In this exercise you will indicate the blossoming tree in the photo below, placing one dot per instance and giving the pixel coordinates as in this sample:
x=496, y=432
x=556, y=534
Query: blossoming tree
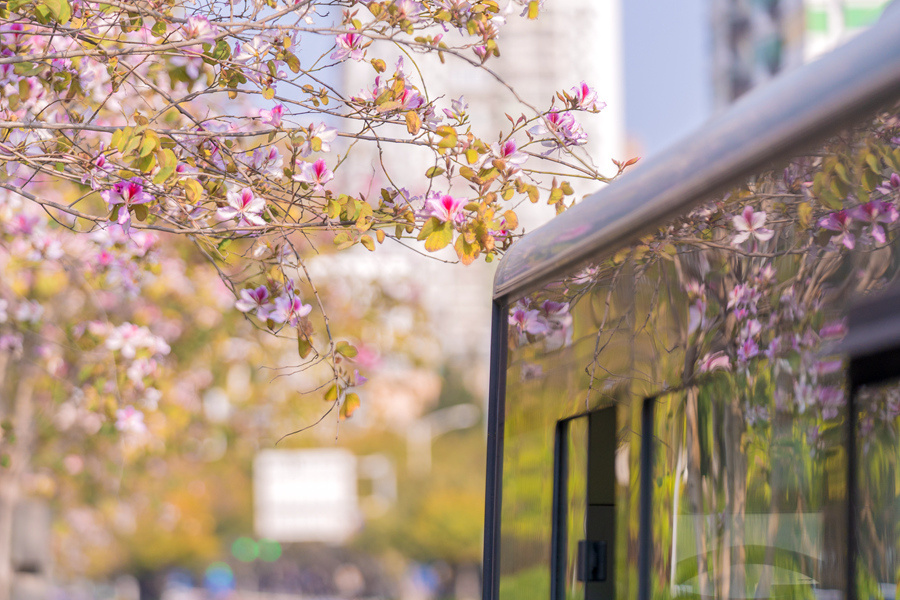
x=126, y=123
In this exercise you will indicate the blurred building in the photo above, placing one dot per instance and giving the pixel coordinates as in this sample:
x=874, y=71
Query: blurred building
x=755, y=39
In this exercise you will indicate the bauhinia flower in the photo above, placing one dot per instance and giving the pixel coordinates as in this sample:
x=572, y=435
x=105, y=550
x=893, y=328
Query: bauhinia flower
x=876, y=212
x=510, y=155
x=890, y=185
x=253, y=51
x=713, y=361
x=130, y=420
x=528, y=321
x=562, y=130
x=315, y=174
x=289, y=308
x=272, y=117
x=348, y=44
x=255, y=299
x=321, y=132
x=749, y=225
x=244, y=206
x=444, y=207
x=457, y=108
x=199, y=28
x=840, y=221
x=126, y=194
x=585, y=97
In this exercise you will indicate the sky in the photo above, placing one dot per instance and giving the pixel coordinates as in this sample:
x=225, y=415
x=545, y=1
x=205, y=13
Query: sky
x=666, y=50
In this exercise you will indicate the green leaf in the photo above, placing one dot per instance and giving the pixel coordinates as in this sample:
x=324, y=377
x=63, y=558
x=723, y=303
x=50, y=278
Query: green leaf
x=303, y=347
x=433, y=172
x=873, y=162
x=148, y=144
x=440, y=237
x=140, y=212
x=159, y=29
x=346, y=349
x=331, y=394
x=333, y=209
x=60, y=10
x=428, y=228
x=842, y=172
x=167, y=163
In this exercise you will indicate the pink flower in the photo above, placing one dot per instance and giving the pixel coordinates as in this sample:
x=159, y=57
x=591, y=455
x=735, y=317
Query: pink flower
x=289, y=309
x=713, y=361
x=130, y=420
x=323, y=133
x=244, y=206
x=875, y=212
x=564, y=126
x=586, y=98
x=444, y=207
x=255, y=299
x=890, y=185
x=840, y=221
x=348, y=44
x=126, y=194
x=316, y=174
x=272, y=117
x=749, y=225
x=509, y=154
x=199, y=28
x=129, y=193
x=458, y=108
x=528, y=321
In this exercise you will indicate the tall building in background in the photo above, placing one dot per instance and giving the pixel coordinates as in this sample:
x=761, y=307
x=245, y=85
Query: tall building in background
x=570, y=42
x=755, y=39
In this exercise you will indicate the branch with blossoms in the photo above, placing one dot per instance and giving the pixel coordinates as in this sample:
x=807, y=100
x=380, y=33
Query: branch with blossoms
x=219, y=123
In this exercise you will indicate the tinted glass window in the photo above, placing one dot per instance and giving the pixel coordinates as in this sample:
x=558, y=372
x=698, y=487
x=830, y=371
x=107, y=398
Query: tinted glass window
x=729, y=315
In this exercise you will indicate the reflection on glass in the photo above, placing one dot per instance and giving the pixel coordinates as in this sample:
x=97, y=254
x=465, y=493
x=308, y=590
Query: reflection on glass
x=744, y=508
x=728, y=314
x=878, y=499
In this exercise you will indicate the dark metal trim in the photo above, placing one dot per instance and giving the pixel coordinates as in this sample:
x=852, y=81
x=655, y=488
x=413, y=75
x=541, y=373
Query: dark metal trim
x=851, y=438
x=645, y=498
x=559, y=533
x=770, y=123
x=494, y=467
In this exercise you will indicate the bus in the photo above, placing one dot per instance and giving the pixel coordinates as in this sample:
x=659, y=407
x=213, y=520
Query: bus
x=695, y=373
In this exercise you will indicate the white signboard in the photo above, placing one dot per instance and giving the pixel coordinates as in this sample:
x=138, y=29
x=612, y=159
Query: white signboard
x=305, y=495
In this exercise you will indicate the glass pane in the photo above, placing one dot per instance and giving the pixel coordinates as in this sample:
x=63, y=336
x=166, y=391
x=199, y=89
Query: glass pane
x=578, y=469
x=744, y=507
x=878, y=518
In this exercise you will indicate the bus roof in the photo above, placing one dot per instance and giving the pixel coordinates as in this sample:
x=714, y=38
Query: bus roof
x=770, y=123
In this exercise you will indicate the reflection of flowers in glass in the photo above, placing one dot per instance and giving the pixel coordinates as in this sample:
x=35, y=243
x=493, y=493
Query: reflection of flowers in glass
x=749, y=225
x=876, y=212
x=714, y=361
x=528, y=321
x=840, y=222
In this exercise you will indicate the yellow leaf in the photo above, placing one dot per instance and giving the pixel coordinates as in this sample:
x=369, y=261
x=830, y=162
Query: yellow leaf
x=533, y=7
x=351, y=403
x=331, y=394
x=368, y=242
x=413, y=122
